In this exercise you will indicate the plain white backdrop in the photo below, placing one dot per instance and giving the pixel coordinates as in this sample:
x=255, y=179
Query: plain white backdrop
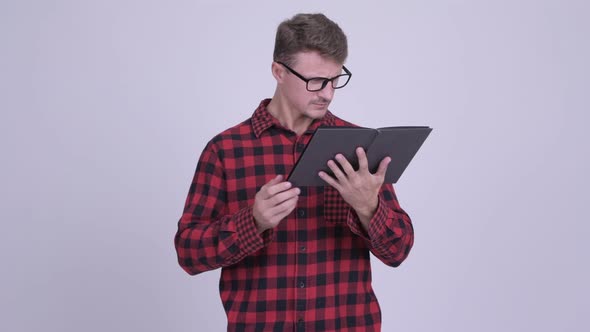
x=106, y=106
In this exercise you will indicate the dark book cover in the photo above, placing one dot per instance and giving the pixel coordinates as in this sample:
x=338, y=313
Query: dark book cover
x=399, y=143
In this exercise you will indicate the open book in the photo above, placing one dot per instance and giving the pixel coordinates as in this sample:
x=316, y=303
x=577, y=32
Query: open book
x=399, y=143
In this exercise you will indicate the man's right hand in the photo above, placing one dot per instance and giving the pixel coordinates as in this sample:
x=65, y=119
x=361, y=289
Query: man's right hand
x=273, y=202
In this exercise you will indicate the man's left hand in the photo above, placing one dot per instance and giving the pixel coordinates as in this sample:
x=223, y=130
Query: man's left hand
x=358, y=188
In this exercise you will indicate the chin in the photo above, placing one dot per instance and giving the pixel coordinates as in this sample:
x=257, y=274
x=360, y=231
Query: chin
x=318, y=109
x=316, y=113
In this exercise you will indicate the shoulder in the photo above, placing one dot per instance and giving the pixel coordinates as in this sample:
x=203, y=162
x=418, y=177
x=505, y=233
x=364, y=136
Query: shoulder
x=229, y=137
x=222, y=144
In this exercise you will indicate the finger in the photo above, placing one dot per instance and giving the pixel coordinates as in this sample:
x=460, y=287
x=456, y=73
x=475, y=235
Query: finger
x=277, y=179
x=279, y=188
x=329, y=180
x=289, y=207
x=272, y=206
x=282, y=210
x=346, y=166
x=284, y=195
x=336, y=170
x=274, y=189
x=362, y=156
x=383, y=167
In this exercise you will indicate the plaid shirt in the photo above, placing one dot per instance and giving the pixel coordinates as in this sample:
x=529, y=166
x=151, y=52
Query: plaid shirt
x=312, y=272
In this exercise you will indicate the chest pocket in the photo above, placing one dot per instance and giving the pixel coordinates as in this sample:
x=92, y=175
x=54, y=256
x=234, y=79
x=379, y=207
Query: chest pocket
x=335, y=208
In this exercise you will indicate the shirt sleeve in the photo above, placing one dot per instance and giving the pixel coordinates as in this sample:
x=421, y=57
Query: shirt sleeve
x=391, y=235
x=208, y=237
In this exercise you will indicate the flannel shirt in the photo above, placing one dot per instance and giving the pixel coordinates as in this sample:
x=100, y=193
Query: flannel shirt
x=312, y=272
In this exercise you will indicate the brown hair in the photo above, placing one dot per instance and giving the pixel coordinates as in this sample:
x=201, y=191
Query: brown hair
x=310, y=32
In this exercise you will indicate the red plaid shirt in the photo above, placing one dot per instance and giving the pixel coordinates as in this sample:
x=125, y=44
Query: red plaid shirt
x=312, y=272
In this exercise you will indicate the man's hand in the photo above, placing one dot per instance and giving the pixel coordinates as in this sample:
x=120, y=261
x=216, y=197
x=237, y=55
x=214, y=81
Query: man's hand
x=275, y=200
x=359, y=188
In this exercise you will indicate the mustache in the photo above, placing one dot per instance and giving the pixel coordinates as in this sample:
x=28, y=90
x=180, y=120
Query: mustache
x=321, y=101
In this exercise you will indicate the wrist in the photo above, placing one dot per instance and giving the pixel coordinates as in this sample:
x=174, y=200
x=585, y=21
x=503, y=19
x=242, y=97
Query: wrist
x=368, y=210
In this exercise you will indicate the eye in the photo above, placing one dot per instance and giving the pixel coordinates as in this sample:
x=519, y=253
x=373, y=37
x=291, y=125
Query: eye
x=316, y=83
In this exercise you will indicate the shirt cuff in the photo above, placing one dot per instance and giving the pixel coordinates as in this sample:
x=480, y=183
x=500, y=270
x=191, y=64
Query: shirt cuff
x=248, y=238
x=377, y=224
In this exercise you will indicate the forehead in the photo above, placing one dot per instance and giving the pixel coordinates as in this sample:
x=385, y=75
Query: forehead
x=312, y=64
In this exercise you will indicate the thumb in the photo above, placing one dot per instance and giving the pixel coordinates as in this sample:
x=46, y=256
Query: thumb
x=275, y=180
x=383, y=167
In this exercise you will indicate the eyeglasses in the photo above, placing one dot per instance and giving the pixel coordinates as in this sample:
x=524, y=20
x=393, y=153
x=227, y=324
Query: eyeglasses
x=318, y=83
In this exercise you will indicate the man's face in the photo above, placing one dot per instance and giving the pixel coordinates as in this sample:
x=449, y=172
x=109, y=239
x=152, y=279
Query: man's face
x=305, y=103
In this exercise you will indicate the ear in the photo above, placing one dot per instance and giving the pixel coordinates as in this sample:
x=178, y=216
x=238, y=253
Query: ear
x=277, y=71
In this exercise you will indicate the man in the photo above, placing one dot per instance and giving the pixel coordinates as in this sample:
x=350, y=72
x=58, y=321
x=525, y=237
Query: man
x=292, y=259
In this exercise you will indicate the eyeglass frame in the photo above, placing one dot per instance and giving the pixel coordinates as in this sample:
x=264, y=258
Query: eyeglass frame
x=324, y=83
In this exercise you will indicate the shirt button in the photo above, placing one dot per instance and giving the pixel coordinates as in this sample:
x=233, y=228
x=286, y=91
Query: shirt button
x=302, y=248
x=301, y=212
x=301, y=284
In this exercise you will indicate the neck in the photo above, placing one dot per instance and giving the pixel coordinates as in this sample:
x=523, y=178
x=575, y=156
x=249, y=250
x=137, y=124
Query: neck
x=287, y=116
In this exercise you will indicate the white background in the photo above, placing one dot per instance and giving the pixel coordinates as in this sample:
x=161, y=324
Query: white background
x=106, y=106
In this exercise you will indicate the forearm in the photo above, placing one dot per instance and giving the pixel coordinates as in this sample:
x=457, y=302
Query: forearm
x=203, y=245
x=388, y=233
x=366, y=215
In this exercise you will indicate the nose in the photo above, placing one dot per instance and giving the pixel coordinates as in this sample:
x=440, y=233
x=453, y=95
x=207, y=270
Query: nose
x=327, y=92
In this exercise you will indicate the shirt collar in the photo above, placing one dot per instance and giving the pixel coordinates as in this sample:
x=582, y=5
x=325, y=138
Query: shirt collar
x=263, y=120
